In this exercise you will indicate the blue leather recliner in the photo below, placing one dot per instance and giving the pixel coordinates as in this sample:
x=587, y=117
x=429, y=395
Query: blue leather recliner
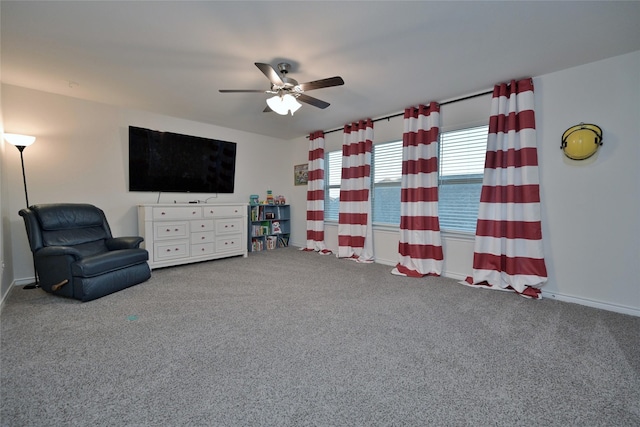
x=75, y=255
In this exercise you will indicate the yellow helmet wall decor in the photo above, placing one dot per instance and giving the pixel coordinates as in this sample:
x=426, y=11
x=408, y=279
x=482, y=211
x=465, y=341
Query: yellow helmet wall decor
x=582, y=141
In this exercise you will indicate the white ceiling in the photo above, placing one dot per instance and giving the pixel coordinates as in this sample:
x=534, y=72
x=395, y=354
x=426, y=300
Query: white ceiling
x=171, y=57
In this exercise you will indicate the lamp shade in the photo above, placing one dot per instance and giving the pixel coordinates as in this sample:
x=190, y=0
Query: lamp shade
x=283, y=104
x=19, y=140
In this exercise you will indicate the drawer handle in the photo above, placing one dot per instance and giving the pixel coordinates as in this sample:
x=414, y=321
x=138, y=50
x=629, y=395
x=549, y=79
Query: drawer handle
x=201, y=225
x=193, y=213
x=202, y=238
x=162, y=213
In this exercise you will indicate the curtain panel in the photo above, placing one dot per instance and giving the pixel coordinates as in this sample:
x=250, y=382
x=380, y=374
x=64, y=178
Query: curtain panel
x=420, y=246
x=508, y=251
x=315, y=195
x=355, y=236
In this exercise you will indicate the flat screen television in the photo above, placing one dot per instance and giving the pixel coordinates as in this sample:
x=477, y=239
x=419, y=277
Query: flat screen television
x=170, y=162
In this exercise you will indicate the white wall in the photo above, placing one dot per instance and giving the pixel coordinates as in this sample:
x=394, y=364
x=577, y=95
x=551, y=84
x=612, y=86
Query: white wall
x=590, y=209
x=81, y=155
x=6, y=269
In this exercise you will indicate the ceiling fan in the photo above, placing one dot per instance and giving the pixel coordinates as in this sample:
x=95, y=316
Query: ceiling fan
x=287, y=91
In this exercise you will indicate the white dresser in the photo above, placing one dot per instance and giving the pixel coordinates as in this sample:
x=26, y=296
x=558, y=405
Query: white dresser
x=183, y=233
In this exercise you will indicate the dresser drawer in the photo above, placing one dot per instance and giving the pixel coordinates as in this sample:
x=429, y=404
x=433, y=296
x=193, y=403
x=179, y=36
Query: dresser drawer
x=170, y=230
x=202, y=225
x=228, y=243
x=221, y=211
x=231, y=225
x=171, y=250
x=203, y=237
x=202, y=249
x=177, y=212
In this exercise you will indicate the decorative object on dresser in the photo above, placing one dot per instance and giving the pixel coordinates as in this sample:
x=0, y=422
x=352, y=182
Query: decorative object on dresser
x=269, y=227
x=183, y=233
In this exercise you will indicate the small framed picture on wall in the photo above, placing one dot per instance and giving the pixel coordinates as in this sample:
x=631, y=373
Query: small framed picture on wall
x=301, y=174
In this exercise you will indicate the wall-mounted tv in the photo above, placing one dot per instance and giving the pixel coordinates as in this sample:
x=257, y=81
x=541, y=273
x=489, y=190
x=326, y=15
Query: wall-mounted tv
x=170, y=162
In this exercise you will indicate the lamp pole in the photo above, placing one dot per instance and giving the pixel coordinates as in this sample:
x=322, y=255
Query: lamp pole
x=35, y=284
x=21, y=142
x=24, y=176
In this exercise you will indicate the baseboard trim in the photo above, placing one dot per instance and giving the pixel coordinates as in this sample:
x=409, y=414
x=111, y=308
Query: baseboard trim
x=14, y=284
x=25, y=281
x=551, y=295
x=592, y=303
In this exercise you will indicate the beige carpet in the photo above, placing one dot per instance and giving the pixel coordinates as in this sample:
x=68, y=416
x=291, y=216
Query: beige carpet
x=290, y=338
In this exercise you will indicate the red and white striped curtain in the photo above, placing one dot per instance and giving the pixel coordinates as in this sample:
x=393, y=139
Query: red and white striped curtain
x=420, y=246
x=355, y=237
x=315, y=195
x=508, y=252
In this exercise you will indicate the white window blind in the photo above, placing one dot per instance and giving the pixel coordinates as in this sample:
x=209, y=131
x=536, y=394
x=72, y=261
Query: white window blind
x=387, y=175
x=332, y=175
x=461, y=168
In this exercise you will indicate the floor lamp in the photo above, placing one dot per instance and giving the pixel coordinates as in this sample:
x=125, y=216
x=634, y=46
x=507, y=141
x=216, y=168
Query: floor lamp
x=21, y=142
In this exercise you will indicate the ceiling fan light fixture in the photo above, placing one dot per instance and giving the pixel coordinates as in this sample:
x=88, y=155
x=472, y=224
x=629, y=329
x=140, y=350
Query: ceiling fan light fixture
x=283, y=104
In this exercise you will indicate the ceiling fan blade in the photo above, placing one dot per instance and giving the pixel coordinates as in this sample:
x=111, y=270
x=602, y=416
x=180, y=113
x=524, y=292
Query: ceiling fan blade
x=271, y=73
x=319, y=84
x=241, y=91
x=312, y=101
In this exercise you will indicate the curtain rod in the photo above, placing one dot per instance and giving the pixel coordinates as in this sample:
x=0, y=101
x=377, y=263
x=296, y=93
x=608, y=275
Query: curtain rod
x=464, y=98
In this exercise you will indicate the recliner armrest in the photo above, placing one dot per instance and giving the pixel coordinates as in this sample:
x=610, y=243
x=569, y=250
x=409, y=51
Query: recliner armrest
x=51, y=251
x=126, y=242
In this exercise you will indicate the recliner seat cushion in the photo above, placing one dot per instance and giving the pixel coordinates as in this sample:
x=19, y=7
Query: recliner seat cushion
x=108, y=261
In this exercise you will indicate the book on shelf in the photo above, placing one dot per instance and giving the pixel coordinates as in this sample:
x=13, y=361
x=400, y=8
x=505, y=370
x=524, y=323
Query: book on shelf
x=257, y=213
x=283, y=241
x=257, y=245
x=275, y=227
x=271, y=242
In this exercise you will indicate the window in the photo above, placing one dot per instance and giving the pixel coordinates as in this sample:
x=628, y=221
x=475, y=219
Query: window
x=332, y=176
x=386, y=167
x=461, y=169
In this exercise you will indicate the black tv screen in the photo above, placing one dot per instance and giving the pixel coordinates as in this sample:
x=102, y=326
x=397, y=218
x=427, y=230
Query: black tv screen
x=170, y=162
